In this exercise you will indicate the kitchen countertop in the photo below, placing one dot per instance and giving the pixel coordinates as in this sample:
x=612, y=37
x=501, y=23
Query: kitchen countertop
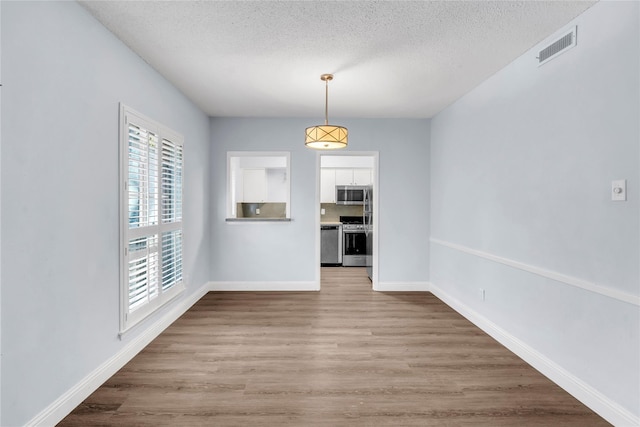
x=330, y=223
x=257, y=219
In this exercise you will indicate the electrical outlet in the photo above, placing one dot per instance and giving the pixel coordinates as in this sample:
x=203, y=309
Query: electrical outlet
x=257, y=211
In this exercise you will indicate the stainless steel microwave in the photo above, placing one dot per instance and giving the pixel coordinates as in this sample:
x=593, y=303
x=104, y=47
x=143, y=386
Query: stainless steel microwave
x=350, y=194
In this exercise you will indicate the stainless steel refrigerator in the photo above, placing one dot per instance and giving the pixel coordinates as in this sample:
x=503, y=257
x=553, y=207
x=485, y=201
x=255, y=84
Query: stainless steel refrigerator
x=367, y=220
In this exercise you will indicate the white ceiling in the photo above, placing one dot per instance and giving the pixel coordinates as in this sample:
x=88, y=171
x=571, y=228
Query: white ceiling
x=390, y=58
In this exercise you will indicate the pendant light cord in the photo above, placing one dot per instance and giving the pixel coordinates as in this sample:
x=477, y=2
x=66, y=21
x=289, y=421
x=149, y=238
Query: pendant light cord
x=326, y=102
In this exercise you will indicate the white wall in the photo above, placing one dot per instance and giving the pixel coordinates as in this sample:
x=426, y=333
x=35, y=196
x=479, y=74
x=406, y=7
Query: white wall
x=521, y=170
x=286, y=252
x=63, y=77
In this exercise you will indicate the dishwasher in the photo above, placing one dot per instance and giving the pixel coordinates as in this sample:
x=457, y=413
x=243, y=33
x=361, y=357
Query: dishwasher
x=331, y=245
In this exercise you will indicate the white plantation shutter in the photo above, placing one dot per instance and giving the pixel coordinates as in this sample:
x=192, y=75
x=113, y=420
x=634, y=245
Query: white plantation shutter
x=143, y=176
x=143, y=271
x=171, y=180
x=152, y=167
x=171, y=258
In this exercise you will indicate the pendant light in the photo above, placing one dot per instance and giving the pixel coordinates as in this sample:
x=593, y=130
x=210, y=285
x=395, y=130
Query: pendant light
x=326, y=137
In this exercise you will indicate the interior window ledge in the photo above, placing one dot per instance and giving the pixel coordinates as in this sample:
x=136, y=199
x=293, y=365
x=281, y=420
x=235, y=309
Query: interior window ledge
x=258, y=219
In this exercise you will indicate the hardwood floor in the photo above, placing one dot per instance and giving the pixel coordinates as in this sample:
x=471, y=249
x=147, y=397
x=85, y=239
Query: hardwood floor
x=341, y=356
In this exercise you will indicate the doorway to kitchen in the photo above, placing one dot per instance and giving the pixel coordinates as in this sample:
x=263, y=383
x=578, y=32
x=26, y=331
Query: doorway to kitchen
x=347, y=221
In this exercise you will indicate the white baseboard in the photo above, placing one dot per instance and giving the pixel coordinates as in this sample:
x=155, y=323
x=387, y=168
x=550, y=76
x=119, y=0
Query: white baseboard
x=592, y=398
x=66, y=403
x=402, y=287
x=264, y=286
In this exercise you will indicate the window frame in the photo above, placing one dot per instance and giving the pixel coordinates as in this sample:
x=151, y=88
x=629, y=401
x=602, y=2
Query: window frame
x=158, y=231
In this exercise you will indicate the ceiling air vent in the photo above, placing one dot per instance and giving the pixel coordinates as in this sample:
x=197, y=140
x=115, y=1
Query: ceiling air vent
x=561, y=45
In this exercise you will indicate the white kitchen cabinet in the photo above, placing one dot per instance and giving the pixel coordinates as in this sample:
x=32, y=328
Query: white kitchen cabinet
x=264, y=185
x=254, y=185
x=327, y=185
x=353, y=176
x=344, y=176
x=277, y=185
x=362, y=177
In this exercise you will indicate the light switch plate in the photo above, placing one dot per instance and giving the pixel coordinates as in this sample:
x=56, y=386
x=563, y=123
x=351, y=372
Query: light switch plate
x=619, y=190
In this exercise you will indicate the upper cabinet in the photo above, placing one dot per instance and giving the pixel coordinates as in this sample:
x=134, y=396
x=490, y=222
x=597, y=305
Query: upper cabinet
x=330, y=177
x=362, y=177
x=254, y=186
x=344, y=176
x=327, y=185
x=277, y=185
x=353, y=176
x=264, y=185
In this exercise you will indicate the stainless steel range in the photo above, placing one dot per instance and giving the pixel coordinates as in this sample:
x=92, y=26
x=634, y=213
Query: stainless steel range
x=354, y=241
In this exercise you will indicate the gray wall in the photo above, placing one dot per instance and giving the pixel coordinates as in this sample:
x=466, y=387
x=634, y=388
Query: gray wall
x=522, y=169
x=287, y=251
x=63, y=77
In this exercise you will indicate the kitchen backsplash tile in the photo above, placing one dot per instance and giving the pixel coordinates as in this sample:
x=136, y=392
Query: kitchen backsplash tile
x=267, y=210
x=333, y=212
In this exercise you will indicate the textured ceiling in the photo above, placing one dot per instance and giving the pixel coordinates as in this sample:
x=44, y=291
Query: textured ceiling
x=390, y=58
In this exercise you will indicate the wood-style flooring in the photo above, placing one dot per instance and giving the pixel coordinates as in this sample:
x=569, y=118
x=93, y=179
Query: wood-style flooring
x=344, y=356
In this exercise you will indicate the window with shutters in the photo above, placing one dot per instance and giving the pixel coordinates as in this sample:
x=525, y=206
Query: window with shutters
x=151, y=172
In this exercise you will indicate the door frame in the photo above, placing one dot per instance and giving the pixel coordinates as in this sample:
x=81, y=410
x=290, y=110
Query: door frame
x=376, y=203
